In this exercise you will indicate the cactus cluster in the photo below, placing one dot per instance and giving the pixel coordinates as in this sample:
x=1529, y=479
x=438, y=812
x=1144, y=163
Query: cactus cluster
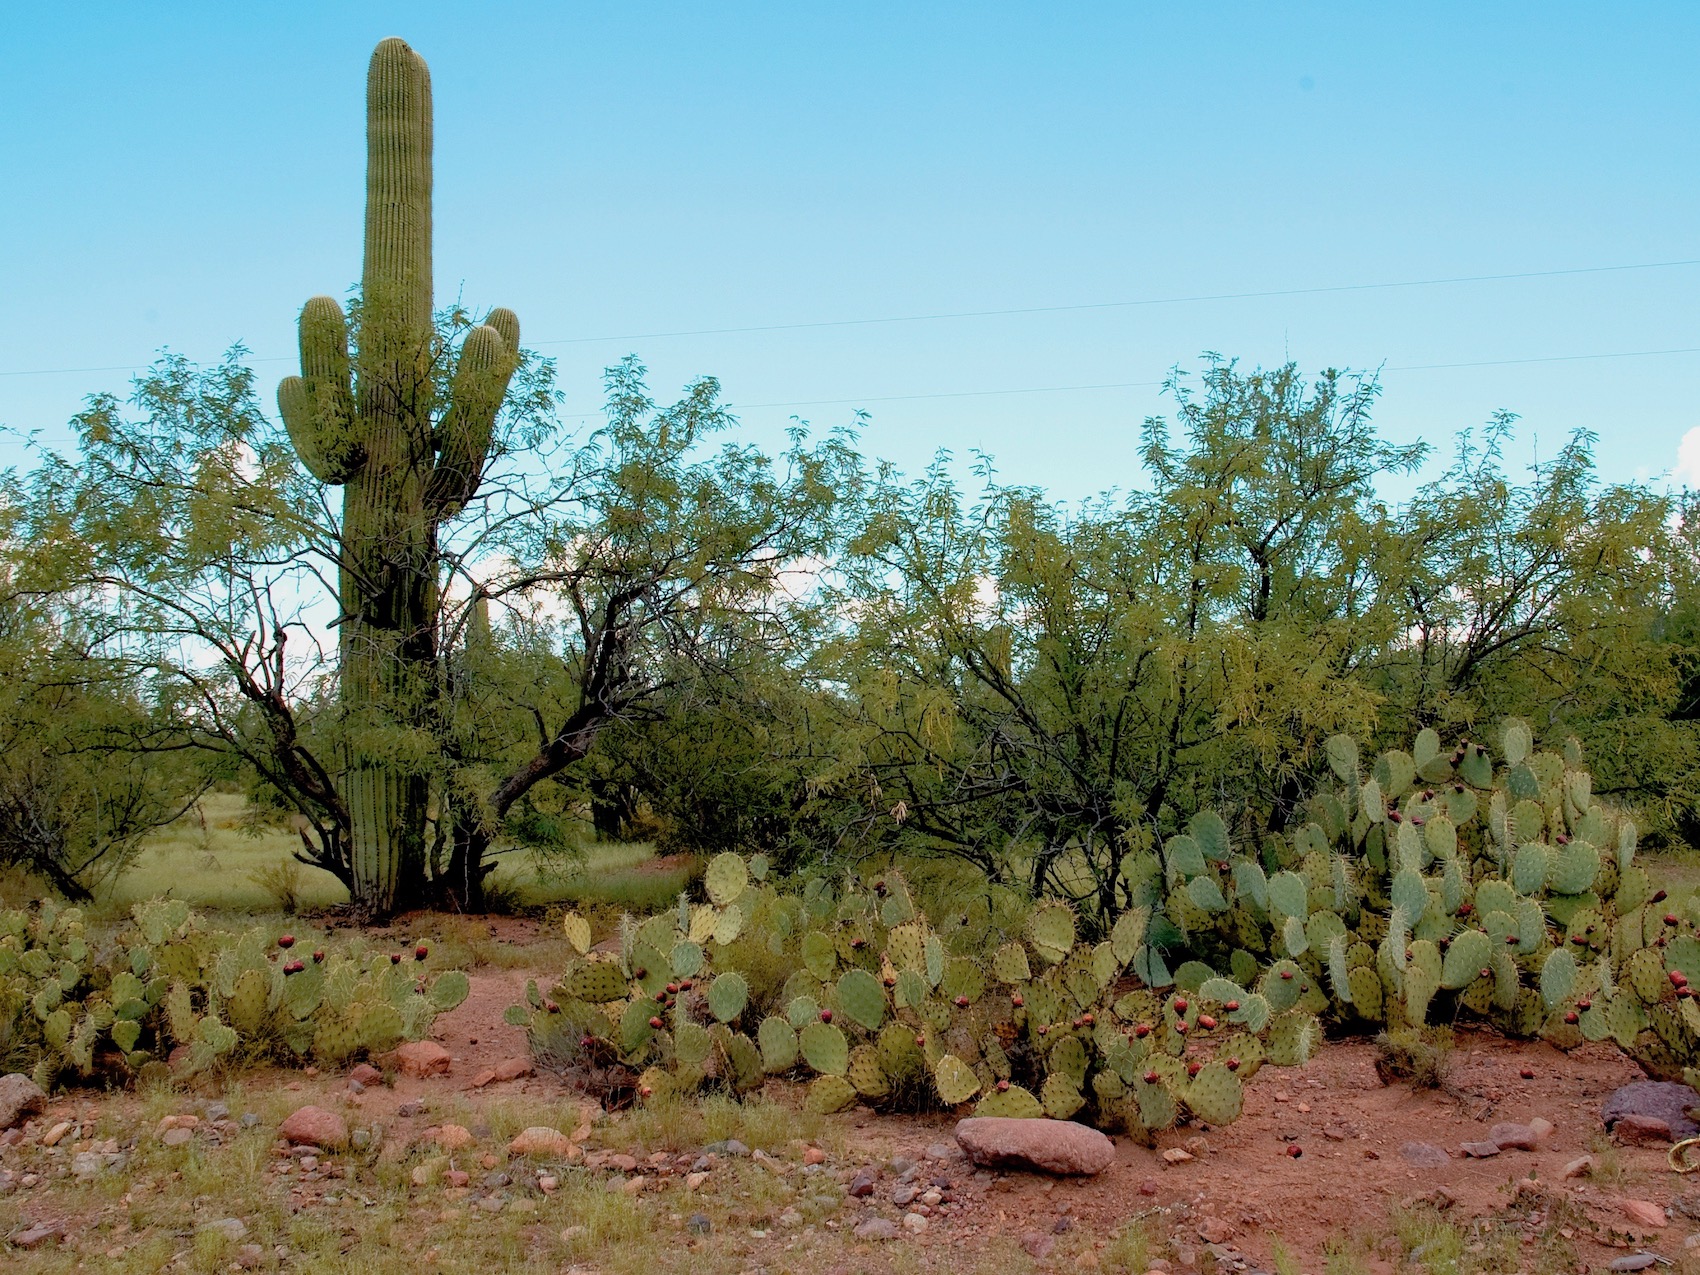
x=70, y=1008
x=883, y=1008
x=1420, y=887
x=1429, y=885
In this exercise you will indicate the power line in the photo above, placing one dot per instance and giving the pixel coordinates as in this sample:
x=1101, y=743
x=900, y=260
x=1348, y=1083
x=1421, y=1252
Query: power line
x=1051, y=309
x=1121, y=305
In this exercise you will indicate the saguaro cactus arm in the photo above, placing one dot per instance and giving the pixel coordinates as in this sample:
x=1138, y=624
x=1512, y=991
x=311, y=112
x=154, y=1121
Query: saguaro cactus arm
x=318, y=406
x=487, y=361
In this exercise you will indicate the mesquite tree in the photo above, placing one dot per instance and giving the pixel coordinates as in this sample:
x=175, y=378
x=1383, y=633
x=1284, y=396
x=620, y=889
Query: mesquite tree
x=405, y=463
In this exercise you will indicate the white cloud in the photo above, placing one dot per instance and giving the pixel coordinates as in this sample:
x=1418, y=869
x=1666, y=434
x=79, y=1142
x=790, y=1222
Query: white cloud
x=1687, y=469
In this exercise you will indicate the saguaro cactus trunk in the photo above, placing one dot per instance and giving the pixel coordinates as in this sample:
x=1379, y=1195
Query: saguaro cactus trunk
x=404, y=467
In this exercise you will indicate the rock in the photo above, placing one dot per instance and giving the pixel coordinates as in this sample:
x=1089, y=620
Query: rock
x=54, y=1136
x=1148, y=1187
x=36, y=1235
x=1661, y=1099
x=1049, y=1146
x=1581, y=1167
x=20, y=1098
x=727, y=1146
x=1479, y=1150
x=1175, y=1155
x=1633, y=1262
x=85, y=1164
x=366, y=1074
x=814, y=1155
x=540, y=1140
x=1037, y=1245
x=905, y=1195
x=1522, y=1137
x=862, y=1185
x=699, y=1224
x=485, y=1077
x=249, y=1256
x=1213, y=1230
x=233, y=1229
x=514, y=1068
x=876, y=1228
x=177, y=1136
x=943, y=1151
x=695, y=1180
x=422, y=1058
x=1641, y=1131
x=1644, y=1213
x=414, y=1107
x=914, y=1223
x=456, y=1177
x=314, y=1127
x=452, y=1137
x=624, y=1163
x=1424, y=1155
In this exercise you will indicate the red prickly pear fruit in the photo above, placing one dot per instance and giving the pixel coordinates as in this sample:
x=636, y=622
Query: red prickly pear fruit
x=1043, y=1028
x=1671, y=918
x=1661, y=896
x=1018, y=1000
x=1180, y=1004
x=1393, y=816
x=920, y=1042
x=1465, y=908
x=421, y=952
x=550, y=1007
x=826, y=1015
x=640, y=972
x=1142, y=1030
x=1486, y=972
x=1286, y=973
x=1678, y=979
x=1527, y=1074
x=1086, y=1020
x=890, y=980
x=685, y=984
x=318, y=958
x=286, y=941
x=395, y=958
x=1572, y=1018
x=672, y=989
x=1193, y=1068
x=1233, y=1007
x=1295, y=1150
x=961, y=1002
x=856, y=945
x=1584, y=1003
x=1181, y=1027
x=1578, y=940
x=293, y=967
x=1233, y=1064
x=1206, y=1022
x=585, y=1042
x=655, y=1023
x=1683, y=993
x=1510, y=940
x=1152, y=1078
x=1304, y=987
x=645, y=1092
x=1003, y=1086
x=661, y=996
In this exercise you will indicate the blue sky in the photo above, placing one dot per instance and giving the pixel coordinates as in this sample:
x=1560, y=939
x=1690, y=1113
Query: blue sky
x=187, y=175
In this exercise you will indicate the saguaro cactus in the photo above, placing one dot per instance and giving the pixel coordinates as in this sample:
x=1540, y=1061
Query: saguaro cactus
x=405, y=462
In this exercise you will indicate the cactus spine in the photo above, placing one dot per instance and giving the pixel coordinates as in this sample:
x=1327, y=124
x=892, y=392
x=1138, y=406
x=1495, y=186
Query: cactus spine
x=404, y=466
